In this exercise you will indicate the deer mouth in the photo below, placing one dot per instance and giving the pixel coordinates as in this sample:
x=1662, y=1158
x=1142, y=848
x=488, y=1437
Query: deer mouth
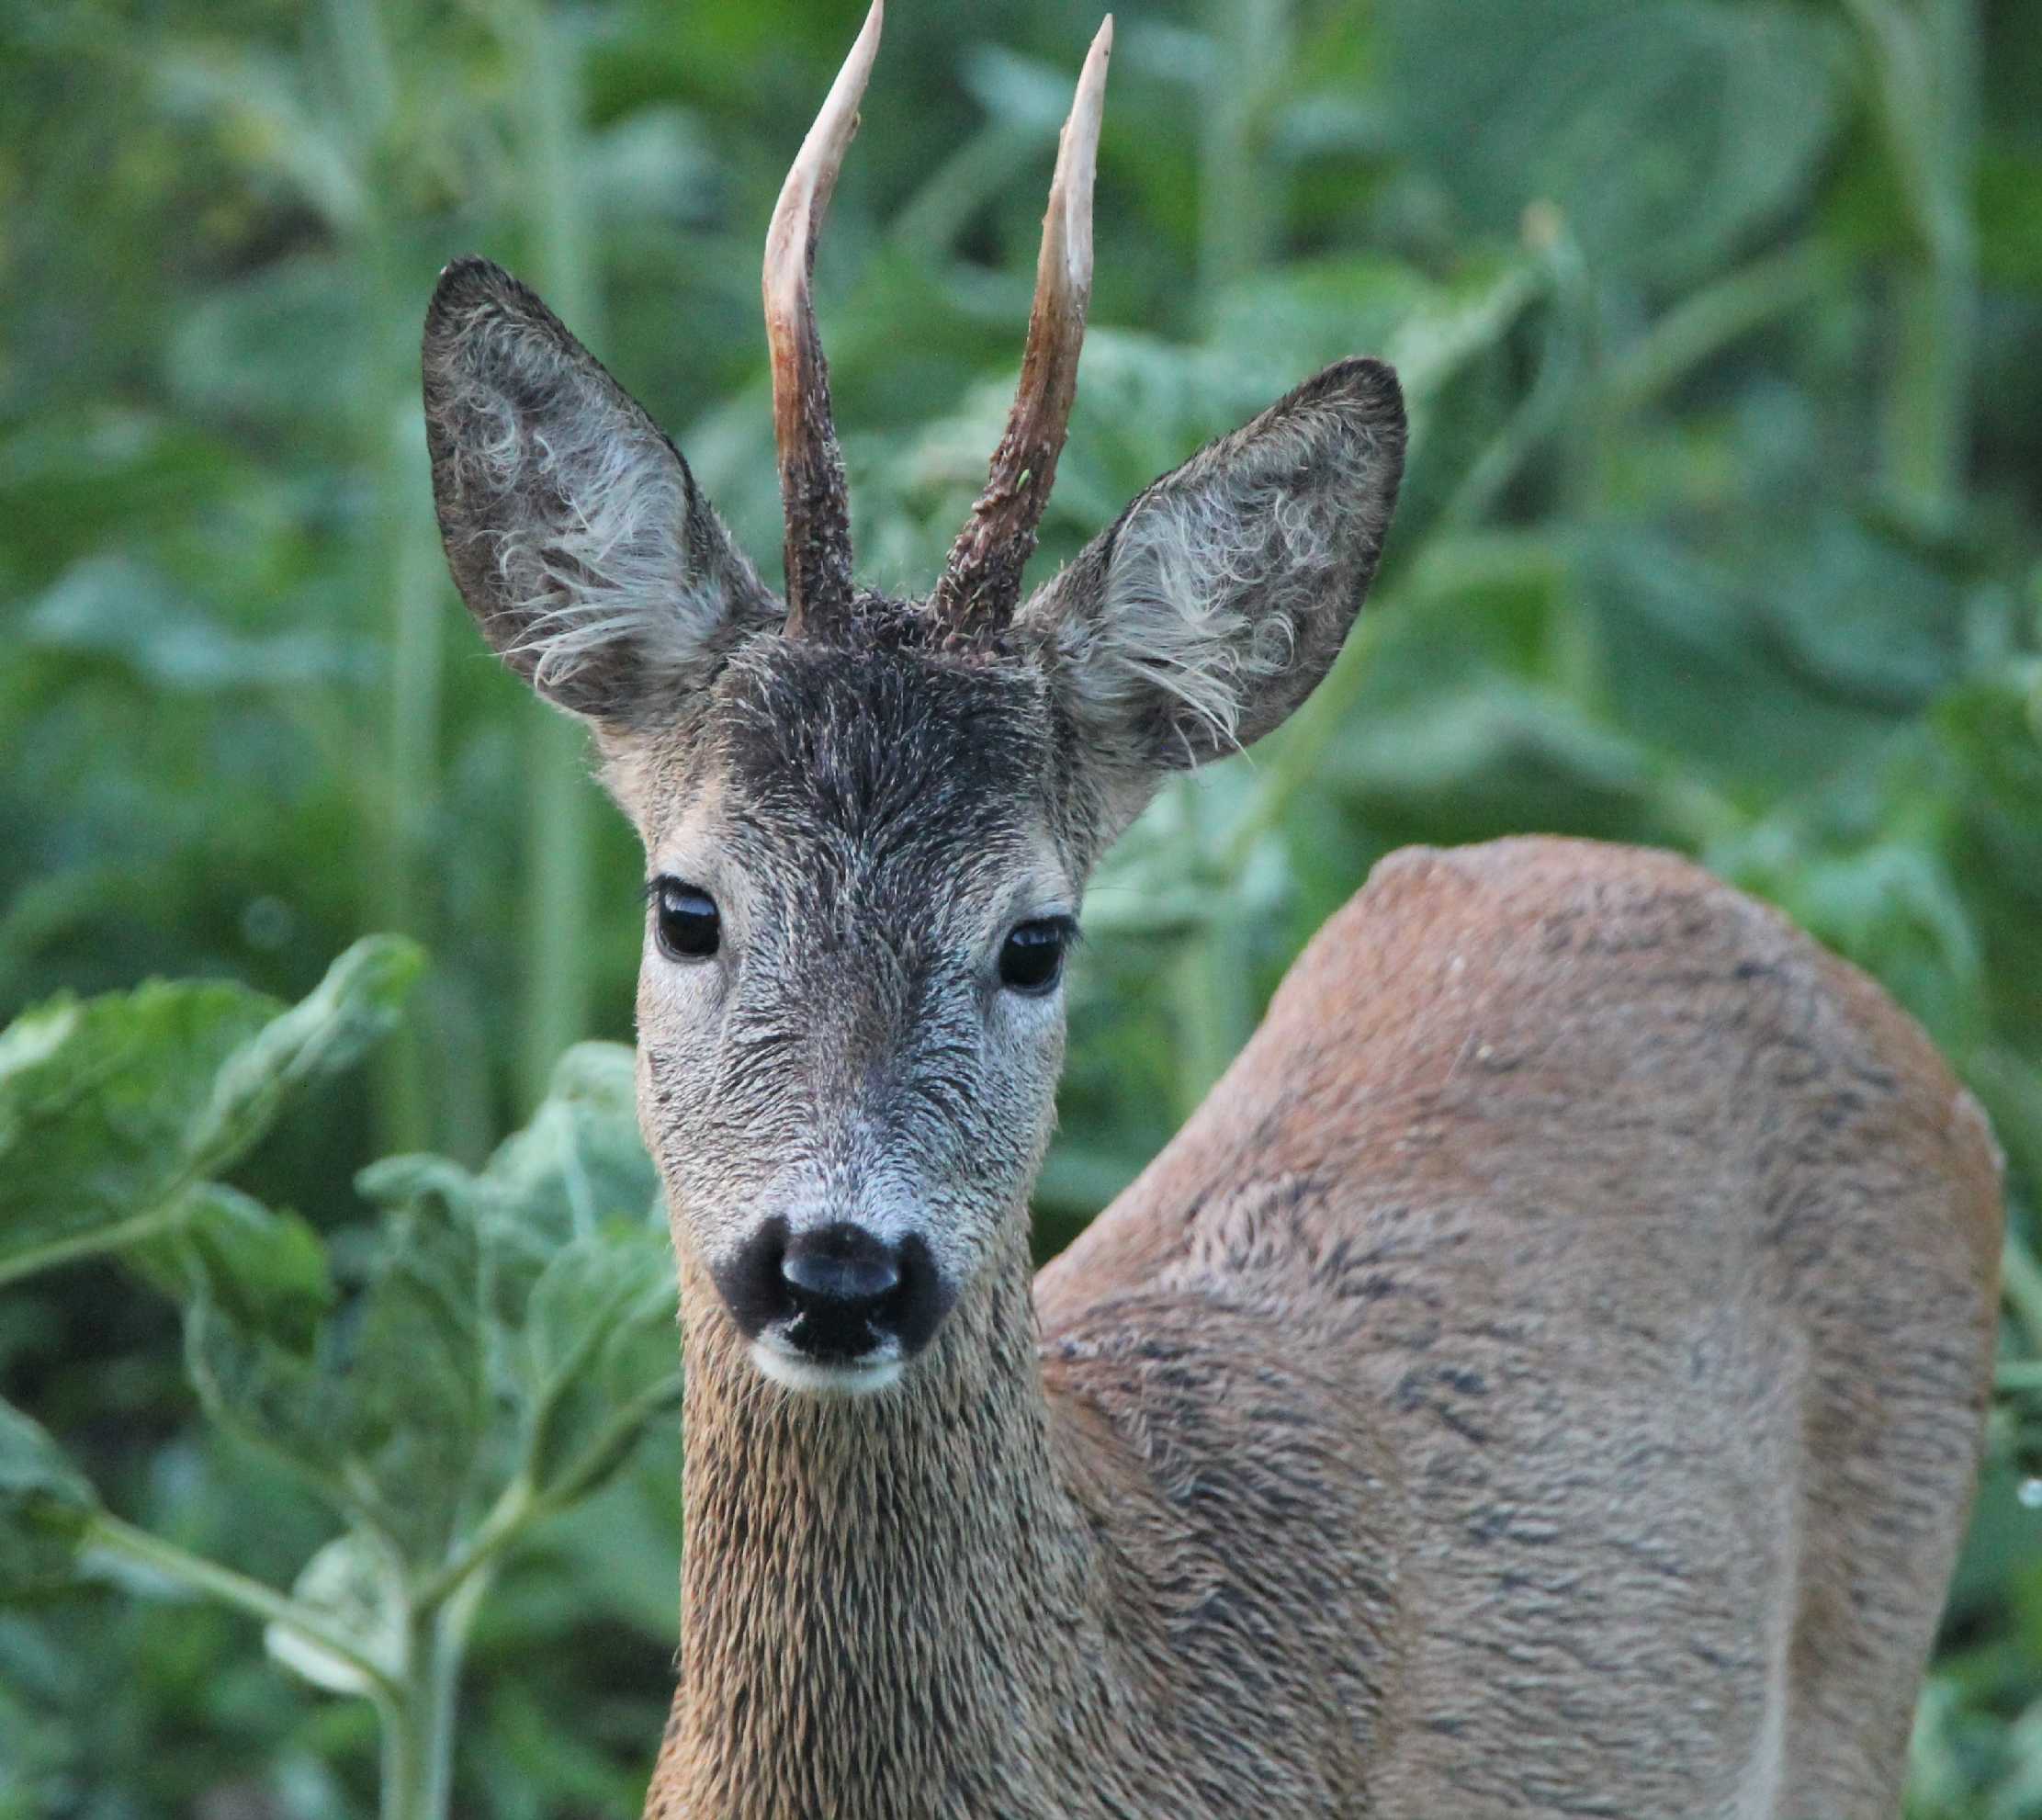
x=796, y=1370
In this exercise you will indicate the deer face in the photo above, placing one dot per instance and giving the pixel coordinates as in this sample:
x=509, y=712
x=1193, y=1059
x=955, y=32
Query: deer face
x=868, y=822
x=851, y=1015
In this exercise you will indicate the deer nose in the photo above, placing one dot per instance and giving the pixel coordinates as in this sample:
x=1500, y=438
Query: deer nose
x=836, y=1294
x=840, y=1272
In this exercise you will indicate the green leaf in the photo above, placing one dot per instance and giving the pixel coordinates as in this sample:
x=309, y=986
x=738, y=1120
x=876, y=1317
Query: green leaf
x=1728, y=665
x=1286, y=324
x=265, y=1263
x=114, y=1113
x=1992, y=727
x=116, y=610
x=1891, y=905
x=1485, y=762
x=579, y=1163
x=581, y=1290
x=353, y=1589
x=1663, y=131
x=581, y=1159
x=389, y=1413
x=515, y=1325
x=598, y=1355
x=45, y=1505
x=324, y=1033
x=97, y=1102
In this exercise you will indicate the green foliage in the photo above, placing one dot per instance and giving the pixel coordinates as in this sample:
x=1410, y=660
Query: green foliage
x=512, y=1334
x=45, y=1505
x=115, y=1115
x=1722, y=531
x=482, y=1357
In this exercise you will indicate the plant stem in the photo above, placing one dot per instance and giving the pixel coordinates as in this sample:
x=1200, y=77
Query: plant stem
x=1296, y=761
x=1925, y=63
x=171, y=1211
x=397, y=549
x=1927, y=407
x=1701, y=326
x=1544, y=407
x=557, y=992
x=515, y=1508
x=1208, y=984
x=403, y=1100
x=202, y=1576
x=1239, y=219
x=418, y=1717
x=2020, y=1287
x=162, y=1218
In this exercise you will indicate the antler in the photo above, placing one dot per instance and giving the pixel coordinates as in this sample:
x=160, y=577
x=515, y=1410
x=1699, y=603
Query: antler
x=812, y=490
x=981, y=579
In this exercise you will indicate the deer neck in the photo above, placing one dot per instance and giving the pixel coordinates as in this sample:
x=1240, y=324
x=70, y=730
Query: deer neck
x=881, y=1595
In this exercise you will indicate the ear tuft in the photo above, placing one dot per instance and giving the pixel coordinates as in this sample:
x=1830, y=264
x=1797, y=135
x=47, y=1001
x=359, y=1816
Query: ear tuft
x=570, y=521
x=1202, y=618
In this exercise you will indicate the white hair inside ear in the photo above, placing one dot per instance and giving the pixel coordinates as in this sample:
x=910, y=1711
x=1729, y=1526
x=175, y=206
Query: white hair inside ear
x=1212, y=609
x=609, y=564
x=1199, y=602
x=573, y=528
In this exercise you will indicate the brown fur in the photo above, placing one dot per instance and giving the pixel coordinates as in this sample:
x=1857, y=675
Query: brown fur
x=1546, y=1377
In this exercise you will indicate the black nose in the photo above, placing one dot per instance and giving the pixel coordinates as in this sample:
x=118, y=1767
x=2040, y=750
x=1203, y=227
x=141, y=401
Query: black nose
x=836, y=1292
x=841, y=1270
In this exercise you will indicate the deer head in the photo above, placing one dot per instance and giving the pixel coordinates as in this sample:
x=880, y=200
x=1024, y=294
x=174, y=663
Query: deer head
x=868, y=821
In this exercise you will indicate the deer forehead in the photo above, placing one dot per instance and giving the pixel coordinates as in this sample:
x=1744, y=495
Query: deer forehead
x=870, y=783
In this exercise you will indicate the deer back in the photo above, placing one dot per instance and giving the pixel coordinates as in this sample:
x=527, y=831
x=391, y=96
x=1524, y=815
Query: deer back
x=1650, y=1254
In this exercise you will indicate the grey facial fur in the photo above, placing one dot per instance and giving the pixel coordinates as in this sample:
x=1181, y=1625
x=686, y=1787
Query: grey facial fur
x=874, y=806
x=871, y=824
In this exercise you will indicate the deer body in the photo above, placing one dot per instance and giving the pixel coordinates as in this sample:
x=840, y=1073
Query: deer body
x=1547, y=1375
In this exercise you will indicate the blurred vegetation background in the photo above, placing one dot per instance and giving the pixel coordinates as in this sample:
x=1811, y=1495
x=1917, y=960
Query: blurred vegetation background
x=1719, y=319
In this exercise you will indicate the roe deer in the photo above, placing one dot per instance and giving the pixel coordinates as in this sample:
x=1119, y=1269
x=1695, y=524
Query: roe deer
x=1546, y=1376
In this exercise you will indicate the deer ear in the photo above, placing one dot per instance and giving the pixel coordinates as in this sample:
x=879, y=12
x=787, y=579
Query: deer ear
x=571, y=524
x=1212, y=609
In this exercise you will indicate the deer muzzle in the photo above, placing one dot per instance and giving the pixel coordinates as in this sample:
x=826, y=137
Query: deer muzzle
x=834, y=1306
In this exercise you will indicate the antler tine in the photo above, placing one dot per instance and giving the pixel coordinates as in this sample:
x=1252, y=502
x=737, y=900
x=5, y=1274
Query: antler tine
x=812, y=492
x=981, y=579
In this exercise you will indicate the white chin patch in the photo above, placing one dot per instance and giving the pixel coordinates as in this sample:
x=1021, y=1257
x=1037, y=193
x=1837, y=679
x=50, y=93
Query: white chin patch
x=858, y=1379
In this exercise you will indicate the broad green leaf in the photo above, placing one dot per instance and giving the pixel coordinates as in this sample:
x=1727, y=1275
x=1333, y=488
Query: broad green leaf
x=111, y=608
x=1891, y=905
x=116, y=1111
x=1663, y=129
x=352, y=1588
x=518, y=1320
x=1713, y=666
x=1495, y=758
x=324, y=1033
x=264, y=1262
x=1992, y=727
x=579, y=1164
x=389, y=1413
x=100, y=1103
x=598, y=1355
x=1311, y=314
x=581, y=1159
x=45, y=1504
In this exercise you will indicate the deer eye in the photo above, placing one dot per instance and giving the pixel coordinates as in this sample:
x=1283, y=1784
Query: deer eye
x=685, y=920
x=1032, y=957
